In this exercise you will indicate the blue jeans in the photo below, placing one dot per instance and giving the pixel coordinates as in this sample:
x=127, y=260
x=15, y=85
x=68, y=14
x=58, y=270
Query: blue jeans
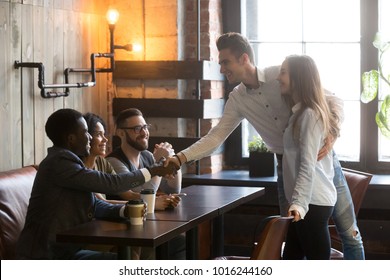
x=343, y=213
x=94, y=255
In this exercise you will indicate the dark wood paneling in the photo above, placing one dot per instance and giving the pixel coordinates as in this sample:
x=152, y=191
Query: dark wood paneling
x=162, y=70
x=179, y=143
x=172, y=108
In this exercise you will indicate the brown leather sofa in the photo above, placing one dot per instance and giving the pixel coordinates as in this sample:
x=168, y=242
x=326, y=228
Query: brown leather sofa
x=15, y=190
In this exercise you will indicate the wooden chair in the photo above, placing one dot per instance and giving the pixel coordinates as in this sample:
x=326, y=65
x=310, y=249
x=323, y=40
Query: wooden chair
x=269, y=243
x=357, y=183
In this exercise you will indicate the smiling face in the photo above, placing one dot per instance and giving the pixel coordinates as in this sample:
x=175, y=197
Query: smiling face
x=130, y=137
x=231, y=66
x=79, y=141
x=99, y=141
x=284, y=79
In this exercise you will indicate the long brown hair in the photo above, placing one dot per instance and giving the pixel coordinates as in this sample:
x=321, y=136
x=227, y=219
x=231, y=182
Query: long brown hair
x=305, y=82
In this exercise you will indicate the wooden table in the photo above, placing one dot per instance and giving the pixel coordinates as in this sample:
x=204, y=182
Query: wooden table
x=230, y=177
x=202, y=203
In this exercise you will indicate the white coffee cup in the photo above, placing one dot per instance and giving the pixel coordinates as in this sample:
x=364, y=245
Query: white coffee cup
x=149, y=196
x=135, y=208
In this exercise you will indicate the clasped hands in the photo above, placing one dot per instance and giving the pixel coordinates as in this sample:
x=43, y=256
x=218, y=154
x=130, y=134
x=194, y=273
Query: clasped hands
x=160, y=169
x=163, y=168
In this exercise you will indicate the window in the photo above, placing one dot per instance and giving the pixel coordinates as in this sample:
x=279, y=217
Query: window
x=332, y=32
x=384, y=28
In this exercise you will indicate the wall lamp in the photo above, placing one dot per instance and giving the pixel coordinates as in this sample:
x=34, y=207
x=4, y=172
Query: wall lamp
x=112, y=17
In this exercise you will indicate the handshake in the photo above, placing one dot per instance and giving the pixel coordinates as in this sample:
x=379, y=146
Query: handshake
x=158, y=168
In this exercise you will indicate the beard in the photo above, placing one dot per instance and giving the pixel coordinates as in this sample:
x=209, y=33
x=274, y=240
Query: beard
x=81, y=150
x=136, y=145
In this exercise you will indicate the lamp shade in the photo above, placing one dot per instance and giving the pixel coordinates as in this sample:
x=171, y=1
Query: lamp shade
x=112, y=16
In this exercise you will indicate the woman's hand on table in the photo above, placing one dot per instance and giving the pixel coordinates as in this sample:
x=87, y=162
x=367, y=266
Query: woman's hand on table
x=164, y=201
x=175, y=200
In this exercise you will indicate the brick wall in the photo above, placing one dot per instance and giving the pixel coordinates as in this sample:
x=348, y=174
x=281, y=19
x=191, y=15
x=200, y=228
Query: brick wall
x=210, y=29
x=167, y=30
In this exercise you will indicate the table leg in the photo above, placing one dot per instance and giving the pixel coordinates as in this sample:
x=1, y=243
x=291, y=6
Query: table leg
x=124, y=252
x=162, y=251
x=192, y=244
x=218, y=236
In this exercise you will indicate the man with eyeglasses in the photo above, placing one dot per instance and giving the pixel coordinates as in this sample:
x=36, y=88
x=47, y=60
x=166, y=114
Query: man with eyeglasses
x=62, y=194
x=132, y=155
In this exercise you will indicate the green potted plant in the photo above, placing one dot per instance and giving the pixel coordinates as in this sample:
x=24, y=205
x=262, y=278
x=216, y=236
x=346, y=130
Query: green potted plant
x=370, y=81
x=261, y=160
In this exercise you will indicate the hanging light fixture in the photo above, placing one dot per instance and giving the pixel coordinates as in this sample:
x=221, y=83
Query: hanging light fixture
x=112, y=16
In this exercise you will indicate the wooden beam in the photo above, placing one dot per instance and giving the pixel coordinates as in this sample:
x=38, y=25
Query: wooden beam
x=167, y=70
x=172, y=108
x=178, y=143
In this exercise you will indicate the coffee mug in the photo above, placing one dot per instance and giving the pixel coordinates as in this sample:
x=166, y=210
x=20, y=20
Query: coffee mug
x=136, y=210
x=149, y=196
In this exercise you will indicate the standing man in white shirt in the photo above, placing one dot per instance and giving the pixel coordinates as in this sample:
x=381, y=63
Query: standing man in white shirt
x=257, y=98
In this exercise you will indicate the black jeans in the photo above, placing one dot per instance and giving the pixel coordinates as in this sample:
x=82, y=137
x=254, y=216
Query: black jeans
x=309, y=238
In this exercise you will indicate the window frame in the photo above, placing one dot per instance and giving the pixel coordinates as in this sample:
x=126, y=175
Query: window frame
x=369, y=161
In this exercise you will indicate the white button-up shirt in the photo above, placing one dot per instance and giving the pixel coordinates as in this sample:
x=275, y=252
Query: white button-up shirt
x=264, y=108
x=306, y=180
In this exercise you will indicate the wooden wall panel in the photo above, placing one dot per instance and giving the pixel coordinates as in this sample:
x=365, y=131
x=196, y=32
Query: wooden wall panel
x=5, y=115
x=10, y=138
x=89, y=36
x=37, y=2
x=41, y=106
x=101, y=42
x=60, y=34
x=48, y=3
x=48, y=60
x=70, y=46
x=58, y=57
x=27, y=87
x=14, y=87
x=58, y=4
x=94, y=99
x=78, y=55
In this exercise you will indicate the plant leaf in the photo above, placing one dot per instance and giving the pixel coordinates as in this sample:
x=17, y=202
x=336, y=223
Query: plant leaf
x=380, y=43
x=382, y=118
x=385, y=47
x=257, y=145
x=370, y=86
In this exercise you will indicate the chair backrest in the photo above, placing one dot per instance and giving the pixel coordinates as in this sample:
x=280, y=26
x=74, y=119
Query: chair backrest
x=269, y=244
x=358, y=183
x=15, y=190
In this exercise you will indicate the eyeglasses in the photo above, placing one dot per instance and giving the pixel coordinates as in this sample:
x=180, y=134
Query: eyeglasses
x=137, y=129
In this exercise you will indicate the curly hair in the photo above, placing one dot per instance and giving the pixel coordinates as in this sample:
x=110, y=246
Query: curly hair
x=60, y=124
x=92, y=119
